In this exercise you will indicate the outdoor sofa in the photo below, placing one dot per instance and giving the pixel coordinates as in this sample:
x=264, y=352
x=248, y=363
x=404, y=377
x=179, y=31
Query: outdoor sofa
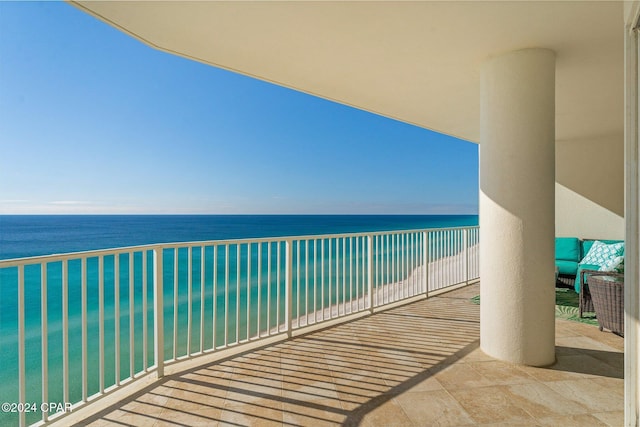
x=573, y=255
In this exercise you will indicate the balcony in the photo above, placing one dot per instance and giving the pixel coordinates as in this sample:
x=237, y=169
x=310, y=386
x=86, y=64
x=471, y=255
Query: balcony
x=362, y=329
x=418, y=364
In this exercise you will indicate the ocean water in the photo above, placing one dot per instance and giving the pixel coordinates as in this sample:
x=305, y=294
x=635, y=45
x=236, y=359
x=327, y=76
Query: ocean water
x=30, y=235
x=22, y=236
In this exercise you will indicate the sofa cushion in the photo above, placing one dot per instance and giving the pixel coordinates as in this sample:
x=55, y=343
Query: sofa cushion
x=568, y=268
x=568, y=249
x=601, y=253
x=580, y=268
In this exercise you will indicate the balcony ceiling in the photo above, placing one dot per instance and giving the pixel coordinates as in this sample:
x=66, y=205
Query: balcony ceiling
x=417, y=62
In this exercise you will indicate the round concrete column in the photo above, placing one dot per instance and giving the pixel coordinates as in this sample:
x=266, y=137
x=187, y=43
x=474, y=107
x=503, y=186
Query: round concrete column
x=517, y=207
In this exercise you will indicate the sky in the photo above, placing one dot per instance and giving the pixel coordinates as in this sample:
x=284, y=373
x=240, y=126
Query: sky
x=93, y=121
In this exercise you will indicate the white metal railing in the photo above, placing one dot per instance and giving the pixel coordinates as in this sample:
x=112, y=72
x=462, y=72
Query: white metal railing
x=74, y=327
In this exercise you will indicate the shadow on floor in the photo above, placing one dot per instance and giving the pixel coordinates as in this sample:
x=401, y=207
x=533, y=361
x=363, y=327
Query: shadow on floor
x=346, y=374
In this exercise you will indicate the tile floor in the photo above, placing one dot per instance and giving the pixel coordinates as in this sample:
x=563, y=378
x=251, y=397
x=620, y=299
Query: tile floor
x=416, y=365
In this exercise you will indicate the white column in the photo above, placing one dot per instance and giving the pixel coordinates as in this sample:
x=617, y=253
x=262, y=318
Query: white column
x=517, y=207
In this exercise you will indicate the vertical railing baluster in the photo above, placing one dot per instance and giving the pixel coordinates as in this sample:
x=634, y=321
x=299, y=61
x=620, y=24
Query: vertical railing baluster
x=238, y=271
x=145, y=332
x=315, y=280
x=189, y=298
x=202, y=297
x=83, y=302
x=364, y=283
x=448, y=252
x=158, y=310
x=394, y=266
x=278, y=267
x=214, y=308
x=259, y=312
x=298, y=282
x=412, y=264
x=249, y=291
x=386, y=275
x=465, y=238
x=226, y=295
x=344, y=277
x=45, y=338
x=402, y=242
x=377, y=265
x=322, y=279
x=22, y=379
x=269, y=288
x=101, y=321
x=425, y=262
x=351, y=260
x=370, y=265
x=132, y=349
x=65, y=331
x=176, y=255
x=306, y=279
x=116, y=308
x=288, y=279
x=330, y=261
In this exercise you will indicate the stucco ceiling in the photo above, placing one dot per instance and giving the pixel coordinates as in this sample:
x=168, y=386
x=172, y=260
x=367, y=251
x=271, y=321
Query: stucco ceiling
x=417, y=62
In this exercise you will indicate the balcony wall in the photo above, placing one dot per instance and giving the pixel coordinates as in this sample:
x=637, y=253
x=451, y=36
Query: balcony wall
x=590, y=188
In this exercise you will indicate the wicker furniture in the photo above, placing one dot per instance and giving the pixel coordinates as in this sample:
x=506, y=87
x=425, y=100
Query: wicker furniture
x=607, y=294
x=585, y=302
x=570, y=251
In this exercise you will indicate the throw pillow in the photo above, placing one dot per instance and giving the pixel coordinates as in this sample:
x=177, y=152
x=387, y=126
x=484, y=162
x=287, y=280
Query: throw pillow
x=601, y=253
x=612, y=265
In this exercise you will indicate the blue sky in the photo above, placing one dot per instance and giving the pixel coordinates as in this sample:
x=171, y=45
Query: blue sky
x=93, y=121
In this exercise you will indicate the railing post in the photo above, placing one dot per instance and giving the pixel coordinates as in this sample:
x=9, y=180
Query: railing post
x=288, y=278
x=465, y=237
x=370, y=271
x=425, y=262
x=158, y=312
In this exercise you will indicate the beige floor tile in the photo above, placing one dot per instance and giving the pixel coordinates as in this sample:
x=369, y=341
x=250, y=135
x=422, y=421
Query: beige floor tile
x=474, y=354
x=187, y=400
x=426, y=382
x=388, y=414
x=203, y=417
x=433, y=408
x=614, y=383
x=541, y=401
x=572, y=367
x=311, y=391
x=612, y=419
x=571, y=421
x=250, y=415
x=490, y=404
x=584, y=342
x=591, y=394
x=605, y=338
x=499, y=372
x=100, y=423
x=460, y=376
x=314, y=413
x=512, y=423
x=121, y=417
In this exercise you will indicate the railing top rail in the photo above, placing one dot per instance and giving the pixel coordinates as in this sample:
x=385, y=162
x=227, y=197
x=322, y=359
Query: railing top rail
x=14, y=262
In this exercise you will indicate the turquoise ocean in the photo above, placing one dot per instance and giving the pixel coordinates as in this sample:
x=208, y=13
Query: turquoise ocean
x=33, y=235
